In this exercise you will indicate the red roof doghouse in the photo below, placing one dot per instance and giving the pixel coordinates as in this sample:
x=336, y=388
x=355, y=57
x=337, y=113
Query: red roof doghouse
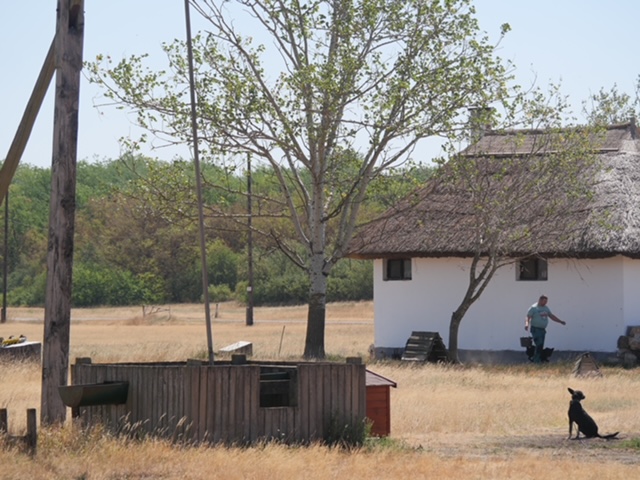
x=379, y=403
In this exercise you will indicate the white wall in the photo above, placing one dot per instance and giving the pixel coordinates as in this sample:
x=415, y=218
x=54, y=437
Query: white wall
x=595, y=297
x=631, y=292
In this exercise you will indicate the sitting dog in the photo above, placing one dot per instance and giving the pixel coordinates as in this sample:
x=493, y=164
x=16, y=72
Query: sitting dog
x=546, y=353
x=584, y=423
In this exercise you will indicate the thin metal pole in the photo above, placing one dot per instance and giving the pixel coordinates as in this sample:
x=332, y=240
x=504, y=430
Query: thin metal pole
x=196, y=161
x=249, y=321
x=5, y=259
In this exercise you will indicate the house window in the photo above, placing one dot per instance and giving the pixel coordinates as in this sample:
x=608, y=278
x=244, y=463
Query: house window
x=397, y=269
x=532, y=268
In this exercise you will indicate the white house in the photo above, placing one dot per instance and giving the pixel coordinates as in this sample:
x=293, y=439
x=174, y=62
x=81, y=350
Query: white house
x=592, y=279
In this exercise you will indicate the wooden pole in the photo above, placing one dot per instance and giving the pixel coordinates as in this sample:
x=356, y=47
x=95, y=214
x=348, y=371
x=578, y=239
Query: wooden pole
x=249, y=318
x=31, y=438
x=196, y=161
x=57, y=313
x=26, y=124
x=5, y=260
x=4, y=421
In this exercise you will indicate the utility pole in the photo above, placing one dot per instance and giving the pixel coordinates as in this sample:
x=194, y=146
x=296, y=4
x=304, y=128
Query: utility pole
x=57, y=313
x=249, y=321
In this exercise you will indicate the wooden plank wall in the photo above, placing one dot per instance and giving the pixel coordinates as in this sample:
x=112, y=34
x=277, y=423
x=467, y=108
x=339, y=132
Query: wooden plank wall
x=221, y=403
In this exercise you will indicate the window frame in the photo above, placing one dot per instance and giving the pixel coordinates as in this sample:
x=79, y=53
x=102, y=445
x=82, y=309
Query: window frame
x=540, y=269
x=403, y=264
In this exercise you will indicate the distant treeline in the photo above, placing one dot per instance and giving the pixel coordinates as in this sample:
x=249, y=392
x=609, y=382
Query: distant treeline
x=136, y=237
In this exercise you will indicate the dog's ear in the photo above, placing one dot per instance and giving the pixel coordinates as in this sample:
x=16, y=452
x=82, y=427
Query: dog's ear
x=570, y=391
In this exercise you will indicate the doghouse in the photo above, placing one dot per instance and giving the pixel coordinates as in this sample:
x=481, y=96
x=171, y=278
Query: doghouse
x=379, y=403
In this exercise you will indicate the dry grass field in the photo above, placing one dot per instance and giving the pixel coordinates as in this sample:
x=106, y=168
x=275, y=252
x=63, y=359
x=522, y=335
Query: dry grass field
x=471, y=422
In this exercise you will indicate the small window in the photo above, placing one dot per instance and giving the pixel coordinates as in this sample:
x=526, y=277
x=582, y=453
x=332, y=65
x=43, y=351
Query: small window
x=397, y=269
x=532, y=268
x=278, y=387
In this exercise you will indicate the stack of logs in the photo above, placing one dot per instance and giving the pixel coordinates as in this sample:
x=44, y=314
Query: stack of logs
x=629, y=347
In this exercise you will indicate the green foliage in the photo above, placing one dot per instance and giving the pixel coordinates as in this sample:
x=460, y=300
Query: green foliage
x=136, y=244
x=351, y=280
x=220, y=293
x=388, y=189
x=631, y=444
x=29, y=292
x=94, y=285
x=387, y=444
x=338, y=93
x=222, y=265
x=277, y=281
x=345, y=433
x=612, y=106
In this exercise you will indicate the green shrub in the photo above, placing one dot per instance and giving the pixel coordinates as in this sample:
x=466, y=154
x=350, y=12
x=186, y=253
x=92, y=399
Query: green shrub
x=94, y=285
x=220, y=293
x=30, y=292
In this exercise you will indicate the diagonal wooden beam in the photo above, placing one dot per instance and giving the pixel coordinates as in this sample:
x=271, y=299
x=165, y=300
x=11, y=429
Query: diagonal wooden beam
x=26, y=124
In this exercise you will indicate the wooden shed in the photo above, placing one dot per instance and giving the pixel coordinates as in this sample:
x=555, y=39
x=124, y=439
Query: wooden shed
x=379, y=403
x=226, y=402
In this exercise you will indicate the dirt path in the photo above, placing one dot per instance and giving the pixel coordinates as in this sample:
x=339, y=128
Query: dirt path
x=549, y=445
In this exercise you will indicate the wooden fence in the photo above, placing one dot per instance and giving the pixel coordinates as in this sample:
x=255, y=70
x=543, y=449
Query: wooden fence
x=229, y=403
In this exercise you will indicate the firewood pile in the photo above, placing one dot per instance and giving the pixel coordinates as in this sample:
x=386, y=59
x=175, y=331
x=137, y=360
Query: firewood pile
x=629, y=347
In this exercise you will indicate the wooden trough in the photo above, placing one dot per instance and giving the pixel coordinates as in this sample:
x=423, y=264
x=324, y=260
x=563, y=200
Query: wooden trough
x=227, y=402
x=84, y=395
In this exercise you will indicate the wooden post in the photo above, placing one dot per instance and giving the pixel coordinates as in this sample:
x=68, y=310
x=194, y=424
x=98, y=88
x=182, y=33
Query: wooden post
x=5, y=260
x=26, y=124
x=57, y=315
x=4, y=425
x=31, y=439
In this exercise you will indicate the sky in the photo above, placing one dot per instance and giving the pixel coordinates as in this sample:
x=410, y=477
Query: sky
x=584, y=45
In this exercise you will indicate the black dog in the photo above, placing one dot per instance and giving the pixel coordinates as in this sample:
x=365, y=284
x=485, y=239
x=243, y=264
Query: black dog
x=544, y=357
x=581, y=418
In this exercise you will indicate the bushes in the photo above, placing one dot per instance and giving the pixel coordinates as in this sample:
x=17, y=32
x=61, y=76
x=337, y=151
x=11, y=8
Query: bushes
x=93, y=285
x=278, y=282
x=30, y=292
x=220, y=293
x=350, y=280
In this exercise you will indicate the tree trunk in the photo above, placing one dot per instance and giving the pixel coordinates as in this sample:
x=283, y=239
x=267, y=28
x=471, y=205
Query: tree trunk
x=314, y=343
x=57, y=314
x=454, y=326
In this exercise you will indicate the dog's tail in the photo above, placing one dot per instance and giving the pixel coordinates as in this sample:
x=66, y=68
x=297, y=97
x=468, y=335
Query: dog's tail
x=611, y=435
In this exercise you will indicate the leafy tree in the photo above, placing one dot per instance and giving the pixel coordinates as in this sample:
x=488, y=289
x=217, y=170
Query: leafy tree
x=612, y=106
x=329, y=77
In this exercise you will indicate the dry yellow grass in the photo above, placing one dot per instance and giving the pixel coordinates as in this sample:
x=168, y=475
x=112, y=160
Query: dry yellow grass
x=447, y=421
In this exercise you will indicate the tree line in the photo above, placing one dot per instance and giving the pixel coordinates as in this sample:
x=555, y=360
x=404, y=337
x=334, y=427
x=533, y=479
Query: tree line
x=136, y=236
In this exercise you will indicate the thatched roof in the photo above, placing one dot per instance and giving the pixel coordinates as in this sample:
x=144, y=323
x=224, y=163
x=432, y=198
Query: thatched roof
x=438, y=221
x=614, y=138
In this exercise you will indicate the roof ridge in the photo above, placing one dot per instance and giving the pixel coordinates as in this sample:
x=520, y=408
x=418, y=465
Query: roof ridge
x=537, y=131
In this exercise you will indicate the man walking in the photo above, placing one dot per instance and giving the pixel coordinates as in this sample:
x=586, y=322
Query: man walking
x=537, y=320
